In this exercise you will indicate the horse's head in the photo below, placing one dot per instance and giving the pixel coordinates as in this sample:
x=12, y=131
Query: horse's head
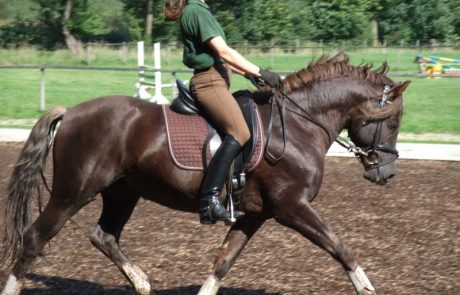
x=374, y=129
x=334, y=94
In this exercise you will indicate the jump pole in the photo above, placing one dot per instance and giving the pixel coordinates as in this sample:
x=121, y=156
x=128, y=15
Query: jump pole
x=158, y=97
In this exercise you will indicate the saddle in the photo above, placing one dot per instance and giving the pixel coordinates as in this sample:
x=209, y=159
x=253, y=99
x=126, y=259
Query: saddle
x=193, y=139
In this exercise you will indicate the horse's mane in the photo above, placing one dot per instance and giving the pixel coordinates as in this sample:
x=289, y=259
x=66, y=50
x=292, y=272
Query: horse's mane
x=338, y=66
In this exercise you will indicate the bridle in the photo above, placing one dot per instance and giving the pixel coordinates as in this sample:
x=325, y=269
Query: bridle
x=367, y=155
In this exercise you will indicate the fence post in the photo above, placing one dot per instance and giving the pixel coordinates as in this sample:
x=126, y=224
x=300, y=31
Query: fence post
x=124, y=52
x=42, y=88
x=173, y=85
x=401, y=45
x=89, y=53
x=168, y=55
x=272, y=55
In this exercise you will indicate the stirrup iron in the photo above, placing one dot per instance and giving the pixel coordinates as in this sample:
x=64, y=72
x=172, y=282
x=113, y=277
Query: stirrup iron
x=235, y=187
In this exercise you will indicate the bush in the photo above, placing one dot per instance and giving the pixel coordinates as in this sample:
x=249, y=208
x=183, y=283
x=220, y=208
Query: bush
x=19, y=33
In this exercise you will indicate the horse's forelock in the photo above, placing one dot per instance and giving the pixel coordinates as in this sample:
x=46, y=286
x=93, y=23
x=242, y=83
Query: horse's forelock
x=370, y=112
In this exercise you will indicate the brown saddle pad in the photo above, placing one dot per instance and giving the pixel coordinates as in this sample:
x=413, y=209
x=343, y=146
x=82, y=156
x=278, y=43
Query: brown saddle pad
x=187, y=135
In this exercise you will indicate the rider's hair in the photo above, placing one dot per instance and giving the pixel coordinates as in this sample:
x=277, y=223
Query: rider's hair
x=173, y=9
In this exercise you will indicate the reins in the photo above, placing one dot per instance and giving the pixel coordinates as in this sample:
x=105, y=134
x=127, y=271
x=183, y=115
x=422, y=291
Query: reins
x=333, y=136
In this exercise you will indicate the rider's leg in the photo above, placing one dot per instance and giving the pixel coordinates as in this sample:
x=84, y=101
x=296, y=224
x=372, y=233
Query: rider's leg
x=210, y=88
x=211, y=209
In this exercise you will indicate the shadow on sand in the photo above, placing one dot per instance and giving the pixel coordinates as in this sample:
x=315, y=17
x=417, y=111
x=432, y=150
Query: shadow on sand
x=57, y=285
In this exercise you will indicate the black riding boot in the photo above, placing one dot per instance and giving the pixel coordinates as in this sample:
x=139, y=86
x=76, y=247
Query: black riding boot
x=211, y=209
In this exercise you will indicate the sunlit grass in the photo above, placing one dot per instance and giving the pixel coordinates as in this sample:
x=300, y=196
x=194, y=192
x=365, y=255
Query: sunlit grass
x=431, y=105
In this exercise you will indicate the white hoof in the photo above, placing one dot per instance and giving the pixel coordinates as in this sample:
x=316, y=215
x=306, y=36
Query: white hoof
x=12, y=286
x=210, y=286
x=138, y=278
x=360, y=281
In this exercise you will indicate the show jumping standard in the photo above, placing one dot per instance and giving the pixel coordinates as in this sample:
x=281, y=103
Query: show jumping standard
x=117, y=146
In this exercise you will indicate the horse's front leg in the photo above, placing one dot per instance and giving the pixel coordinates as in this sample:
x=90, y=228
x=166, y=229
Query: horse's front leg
x=300, y=216
x=236, y=239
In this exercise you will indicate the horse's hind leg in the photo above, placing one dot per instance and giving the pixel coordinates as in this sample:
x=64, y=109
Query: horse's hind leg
x=118, y=204
x=236, y=239
x=46, y=226
x=304, y=219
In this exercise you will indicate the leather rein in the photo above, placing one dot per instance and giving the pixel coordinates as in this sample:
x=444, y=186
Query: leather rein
x=363, y=154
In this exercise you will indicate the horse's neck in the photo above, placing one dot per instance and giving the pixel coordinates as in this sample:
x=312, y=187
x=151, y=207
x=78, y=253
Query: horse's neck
x=331, y=103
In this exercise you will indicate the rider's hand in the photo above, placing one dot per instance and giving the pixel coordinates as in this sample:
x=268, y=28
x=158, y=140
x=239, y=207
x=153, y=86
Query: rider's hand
x=256, y=81
x=270, y=78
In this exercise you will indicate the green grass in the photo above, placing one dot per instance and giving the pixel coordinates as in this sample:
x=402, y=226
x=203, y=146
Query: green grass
x=431, y=105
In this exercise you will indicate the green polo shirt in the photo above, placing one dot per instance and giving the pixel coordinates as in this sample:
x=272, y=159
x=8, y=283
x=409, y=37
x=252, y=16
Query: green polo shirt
x=198, y=25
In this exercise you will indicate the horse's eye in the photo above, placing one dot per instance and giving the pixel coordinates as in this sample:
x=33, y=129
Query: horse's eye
x=364, y=123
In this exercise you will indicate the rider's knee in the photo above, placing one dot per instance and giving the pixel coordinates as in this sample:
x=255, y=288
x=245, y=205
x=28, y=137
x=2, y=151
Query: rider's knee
x=243, y=136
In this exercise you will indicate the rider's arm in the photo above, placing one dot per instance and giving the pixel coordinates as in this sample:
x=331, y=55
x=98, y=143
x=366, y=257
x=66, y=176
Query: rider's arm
x=235, y=70
x=231, y=56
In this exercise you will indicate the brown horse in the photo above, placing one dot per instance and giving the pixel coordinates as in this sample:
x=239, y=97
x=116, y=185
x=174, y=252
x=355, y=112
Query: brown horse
x=117, y=146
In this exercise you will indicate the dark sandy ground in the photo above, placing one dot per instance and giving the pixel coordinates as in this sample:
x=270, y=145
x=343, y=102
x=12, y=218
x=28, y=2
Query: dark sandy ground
x=406, y=236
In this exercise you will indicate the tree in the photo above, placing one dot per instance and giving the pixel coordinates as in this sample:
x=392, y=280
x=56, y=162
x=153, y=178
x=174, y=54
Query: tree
x=454, y=12
x=340, y=19
x=410, y=20
x=49, y=24
x=73, y=22
x=431, y=20
x=373, y=10
x=138, y=18
x=261, y=21
x=3, y=10
x=72, y=42
x=273, y=22
x=149, y=20
x=100, y=20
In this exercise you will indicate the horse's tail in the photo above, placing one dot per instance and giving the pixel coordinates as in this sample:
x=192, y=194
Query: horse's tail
x=26, y=181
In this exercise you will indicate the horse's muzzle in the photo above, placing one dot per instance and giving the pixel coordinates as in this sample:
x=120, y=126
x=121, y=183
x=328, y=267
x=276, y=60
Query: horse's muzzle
x=381, y=175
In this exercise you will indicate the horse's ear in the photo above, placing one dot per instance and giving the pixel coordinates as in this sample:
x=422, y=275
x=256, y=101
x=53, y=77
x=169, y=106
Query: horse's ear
x=397, y=90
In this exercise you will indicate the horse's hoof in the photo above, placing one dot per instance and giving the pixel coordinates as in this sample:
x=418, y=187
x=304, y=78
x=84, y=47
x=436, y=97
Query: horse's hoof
x=367, y=292
x=139, y=280
x=12, y=286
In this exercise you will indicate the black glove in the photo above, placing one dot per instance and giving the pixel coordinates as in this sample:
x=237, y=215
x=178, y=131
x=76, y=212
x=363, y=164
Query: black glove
x=270, y=78
x=256, y=81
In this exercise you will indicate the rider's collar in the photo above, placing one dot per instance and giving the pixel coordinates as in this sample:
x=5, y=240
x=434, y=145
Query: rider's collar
x=199, y=2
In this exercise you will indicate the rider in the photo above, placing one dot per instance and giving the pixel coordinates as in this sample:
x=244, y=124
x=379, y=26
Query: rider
x=206, y=51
